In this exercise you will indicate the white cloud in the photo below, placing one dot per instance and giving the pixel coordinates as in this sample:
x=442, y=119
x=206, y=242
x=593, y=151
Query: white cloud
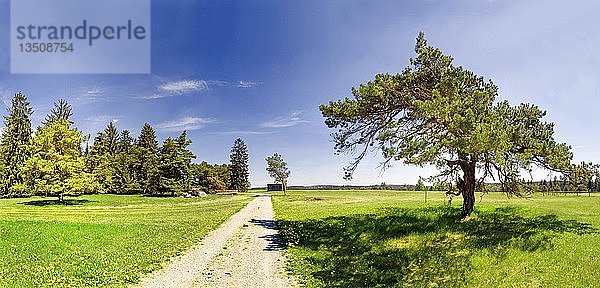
x=175, y=88
x=91, y=95
x=102, y=119
x=183, y=86
x=185, y=123
x=286, y=121
x=247, y=84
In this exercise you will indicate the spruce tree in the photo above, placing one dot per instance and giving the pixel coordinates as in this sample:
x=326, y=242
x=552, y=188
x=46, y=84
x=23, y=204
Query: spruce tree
x=184, y=161
x=101, y=160
x=125, y=142
x=111, y=139
x=16, y=137
x=147, y=139
x=146, y=161
x=124, y=163
x=175, y=161
x=61, y=110
x=239, y=166
x=167, y=168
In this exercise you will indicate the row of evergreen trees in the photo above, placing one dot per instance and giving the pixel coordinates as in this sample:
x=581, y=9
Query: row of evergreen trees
x=57, y=159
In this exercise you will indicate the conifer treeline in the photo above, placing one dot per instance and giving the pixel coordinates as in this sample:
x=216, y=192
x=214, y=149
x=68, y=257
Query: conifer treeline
x=54, y=162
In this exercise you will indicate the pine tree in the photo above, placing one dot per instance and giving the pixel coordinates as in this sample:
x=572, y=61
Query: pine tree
x=239, y=166
x=16, y=137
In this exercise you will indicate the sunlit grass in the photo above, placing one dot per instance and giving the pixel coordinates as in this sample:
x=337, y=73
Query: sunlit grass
x=100, y=240
x=390, y=238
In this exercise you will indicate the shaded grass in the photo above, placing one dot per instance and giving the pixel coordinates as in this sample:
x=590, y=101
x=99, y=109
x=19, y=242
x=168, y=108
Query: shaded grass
x=100, y=240
x=66, y=202
x=393, y=239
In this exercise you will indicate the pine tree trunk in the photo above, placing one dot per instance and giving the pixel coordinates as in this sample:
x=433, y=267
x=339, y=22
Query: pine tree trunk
x=467, y=188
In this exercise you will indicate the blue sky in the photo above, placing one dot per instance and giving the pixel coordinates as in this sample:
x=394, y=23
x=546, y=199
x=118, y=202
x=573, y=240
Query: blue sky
x=259, y=69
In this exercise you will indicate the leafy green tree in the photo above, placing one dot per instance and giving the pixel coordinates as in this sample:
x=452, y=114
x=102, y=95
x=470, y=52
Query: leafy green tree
x=238, y=167
x=278, y=170
x=435, y=113
x=16, y=138
x=56, y=167
x=210, y=178
x=582, y=175
x=420, y=185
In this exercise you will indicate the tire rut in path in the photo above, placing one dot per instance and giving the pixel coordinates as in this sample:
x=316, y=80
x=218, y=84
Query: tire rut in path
x=244, y=252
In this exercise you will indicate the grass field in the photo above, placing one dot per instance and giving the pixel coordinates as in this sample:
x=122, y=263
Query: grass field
x=100, y=240
x=394, y=239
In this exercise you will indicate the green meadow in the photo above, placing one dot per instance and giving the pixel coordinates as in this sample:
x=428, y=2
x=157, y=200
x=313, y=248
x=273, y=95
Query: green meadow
x=101, y=240
x=395, y=239
x=333, y=238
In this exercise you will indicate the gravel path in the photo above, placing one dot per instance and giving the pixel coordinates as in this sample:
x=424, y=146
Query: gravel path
x=243, y=252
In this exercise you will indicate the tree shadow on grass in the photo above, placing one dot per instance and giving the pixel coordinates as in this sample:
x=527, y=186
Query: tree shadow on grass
x=419, y=247
x=56, y=202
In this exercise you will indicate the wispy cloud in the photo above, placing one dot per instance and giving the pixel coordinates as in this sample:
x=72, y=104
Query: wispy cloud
x=6, y=95
x=185, y=123
x=219, y=83
x=242, y=132
x=247, y=84
x=95, y=91
x=182, y=87
x=285, y=121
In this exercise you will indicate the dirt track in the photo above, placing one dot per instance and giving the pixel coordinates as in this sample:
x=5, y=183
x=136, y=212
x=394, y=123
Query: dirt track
x=243, y=252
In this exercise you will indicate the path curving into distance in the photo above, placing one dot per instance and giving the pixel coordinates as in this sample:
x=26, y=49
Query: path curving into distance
x=244, y=252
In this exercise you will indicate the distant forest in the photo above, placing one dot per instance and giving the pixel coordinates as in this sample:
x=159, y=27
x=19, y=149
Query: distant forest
x=556, y=184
